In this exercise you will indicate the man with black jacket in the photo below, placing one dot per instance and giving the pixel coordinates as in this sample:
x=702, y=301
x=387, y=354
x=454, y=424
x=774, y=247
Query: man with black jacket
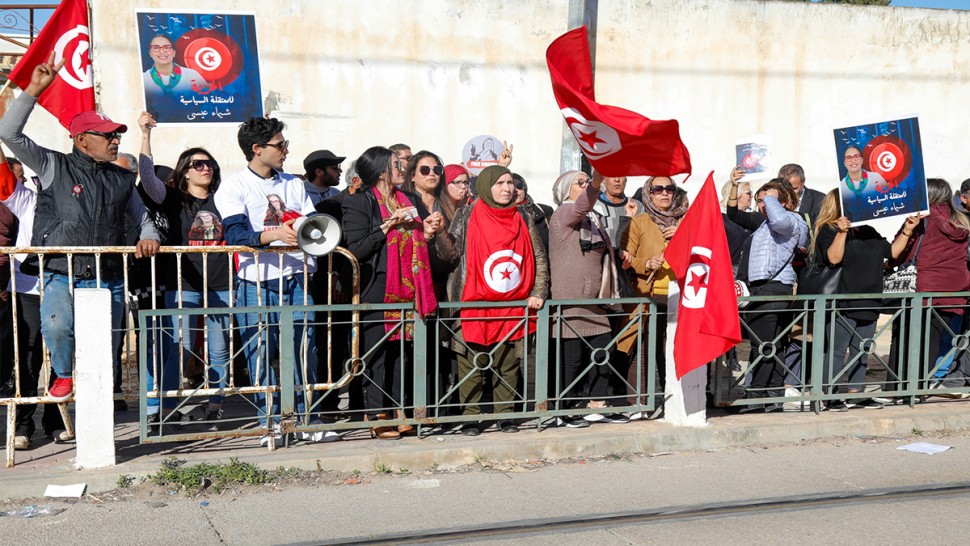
x=82, y=201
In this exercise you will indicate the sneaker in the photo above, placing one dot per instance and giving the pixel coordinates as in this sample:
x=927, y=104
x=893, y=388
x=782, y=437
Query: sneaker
x=838, y=406
x=593, y=417
x=211, y=420
x=637, y=415
x=62, y=390
x=614, y=418
x=470, y=429
x=799, y=405
x=21, y=443
x=318, y=436
x=276, y=436
x=572, y=422
x=868, y=403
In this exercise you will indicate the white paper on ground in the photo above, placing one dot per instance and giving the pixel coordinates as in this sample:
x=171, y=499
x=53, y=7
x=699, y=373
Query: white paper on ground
x=924, y=447
x=73, y=490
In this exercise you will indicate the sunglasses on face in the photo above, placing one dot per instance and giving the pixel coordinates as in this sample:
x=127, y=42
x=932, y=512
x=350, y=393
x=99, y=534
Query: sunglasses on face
x=519, y=185
x=200, y=164
x=582, y=183
x=425, y=170
x=399, y=165
x=282, y=145
x=657, y=190
x=107, y=136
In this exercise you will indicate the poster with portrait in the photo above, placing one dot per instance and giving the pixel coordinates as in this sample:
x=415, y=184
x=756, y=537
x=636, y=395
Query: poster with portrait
x=199, y=67
x=480, y=152
x=752, y=154
x=881, y=170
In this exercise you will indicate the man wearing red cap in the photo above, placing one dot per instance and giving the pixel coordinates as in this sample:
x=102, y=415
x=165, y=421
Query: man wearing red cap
x=82, y=201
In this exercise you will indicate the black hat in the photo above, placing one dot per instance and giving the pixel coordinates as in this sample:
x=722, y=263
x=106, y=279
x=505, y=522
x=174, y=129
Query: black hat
x=321, y=158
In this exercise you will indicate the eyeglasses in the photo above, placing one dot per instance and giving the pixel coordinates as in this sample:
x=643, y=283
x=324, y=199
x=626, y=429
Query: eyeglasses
x=425, y=170
x=657, y=190
x=107, y=136
x=200, y=164
x=157, y=48
x=460, y=182
x=282, y=145
x=853, y=156
x=582, y=183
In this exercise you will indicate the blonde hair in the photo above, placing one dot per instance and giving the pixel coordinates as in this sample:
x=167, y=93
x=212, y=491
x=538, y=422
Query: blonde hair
x=726, y=191
x=829, y=214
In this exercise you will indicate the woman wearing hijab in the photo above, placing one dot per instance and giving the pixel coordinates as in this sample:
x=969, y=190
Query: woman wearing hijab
x=395, y=249
x=645, y=241
x=582, y=266
x=502, y=259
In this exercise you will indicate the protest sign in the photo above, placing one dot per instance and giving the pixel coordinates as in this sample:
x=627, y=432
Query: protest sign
x=752, y=154
x=881, y=170
x=480, y=152
x=199, y=67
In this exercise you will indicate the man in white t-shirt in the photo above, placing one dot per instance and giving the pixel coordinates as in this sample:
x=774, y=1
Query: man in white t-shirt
x=262, y=206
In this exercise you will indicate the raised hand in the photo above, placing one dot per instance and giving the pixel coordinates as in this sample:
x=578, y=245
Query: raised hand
x=505, y=158
x=43, y=76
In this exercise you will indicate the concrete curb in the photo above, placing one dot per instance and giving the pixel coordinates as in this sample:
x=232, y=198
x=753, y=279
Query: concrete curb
x=451, y=450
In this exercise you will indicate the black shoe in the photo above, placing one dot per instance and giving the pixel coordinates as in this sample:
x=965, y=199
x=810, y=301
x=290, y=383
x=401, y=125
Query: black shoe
x=121, y=406
x=470, y=429
x=868, y=403
x=508, y=426
x=571, y=422
x=838, y=406
x=211, y=420
x=771, y=408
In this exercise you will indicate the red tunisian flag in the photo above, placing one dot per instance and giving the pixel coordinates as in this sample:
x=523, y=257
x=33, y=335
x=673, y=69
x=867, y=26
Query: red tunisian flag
x=707, y=318
x=616, y=141
x=500, y=266
x=66, y=34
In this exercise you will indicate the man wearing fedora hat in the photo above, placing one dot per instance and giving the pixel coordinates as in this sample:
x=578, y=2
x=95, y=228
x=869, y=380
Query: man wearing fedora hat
x=82, y=201
x=322, y=175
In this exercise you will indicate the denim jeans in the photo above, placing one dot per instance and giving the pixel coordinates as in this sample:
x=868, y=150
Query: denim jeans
x=849, y=336
x=217, y=366
x=57, y=318
x=260, y=334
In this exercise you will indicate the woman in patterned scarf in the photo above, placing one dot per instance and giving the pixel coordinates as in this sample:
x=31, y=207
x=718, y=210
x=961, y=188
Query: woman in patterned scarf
x=394, y=237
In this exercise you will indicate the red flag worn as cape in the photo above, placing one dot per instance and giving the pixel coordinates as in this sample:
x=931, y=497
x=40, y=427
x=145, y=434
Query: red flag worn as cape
x=66, y=34
x=616, y=141
x=500, y=267
x=707, y=319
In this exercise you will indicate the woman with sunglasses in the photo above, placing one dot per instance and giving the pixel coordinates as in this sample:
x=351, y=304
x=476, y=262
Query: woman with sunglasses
x=425, y=178
x=189, y=212
x=395, y=239
x=645, y=241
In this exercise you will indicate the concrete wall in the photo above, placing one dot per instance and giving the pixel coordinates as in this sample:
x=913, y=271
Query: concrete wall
x=346, y=75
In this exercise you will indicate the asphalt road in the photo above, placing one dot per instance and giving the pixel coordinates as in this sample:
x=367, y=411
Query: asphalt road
x=858, y=490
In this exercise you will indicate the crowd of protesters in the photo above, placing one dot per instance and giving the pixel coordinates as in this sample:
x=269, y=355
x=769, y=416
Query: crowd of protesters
x=424, y=233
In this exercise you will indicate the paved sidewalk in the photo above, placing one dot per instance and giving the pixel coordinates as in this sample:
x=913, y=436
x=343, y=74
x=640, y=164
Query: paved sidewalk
x=49, y=463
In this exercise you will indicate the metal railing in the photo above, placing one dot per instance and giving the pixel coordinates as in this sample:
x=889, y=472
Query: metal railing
x=614, y=370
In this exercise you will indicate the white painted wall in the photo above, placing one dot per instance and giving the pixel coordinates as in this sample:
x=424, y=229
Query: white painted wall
x=346, y=75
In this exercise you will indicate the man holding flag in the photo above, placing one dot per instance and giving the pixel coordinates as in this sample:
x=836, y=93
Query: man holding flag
x=82, y=201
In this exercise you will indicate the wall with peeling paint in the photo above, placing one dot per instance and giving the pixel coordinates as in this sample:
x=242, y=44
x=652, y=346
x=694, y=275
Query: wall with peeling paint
x=432, y=73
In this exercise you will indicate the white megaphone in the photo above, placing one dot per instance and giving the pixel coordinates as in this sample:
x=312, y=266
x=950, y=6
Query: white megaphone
x=318, y=235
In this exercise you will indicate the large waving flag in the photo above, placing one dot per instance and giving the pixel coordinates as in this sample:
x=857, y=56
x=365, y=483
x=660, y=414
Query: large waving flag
x=707, y=318
x=66, y=34
x=616, y=141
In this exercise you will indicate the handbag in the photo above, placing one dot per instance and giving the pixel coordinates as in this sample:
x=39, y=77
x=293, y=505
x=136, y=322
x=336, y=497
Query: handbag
x=903, y=279
x=818, y=278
